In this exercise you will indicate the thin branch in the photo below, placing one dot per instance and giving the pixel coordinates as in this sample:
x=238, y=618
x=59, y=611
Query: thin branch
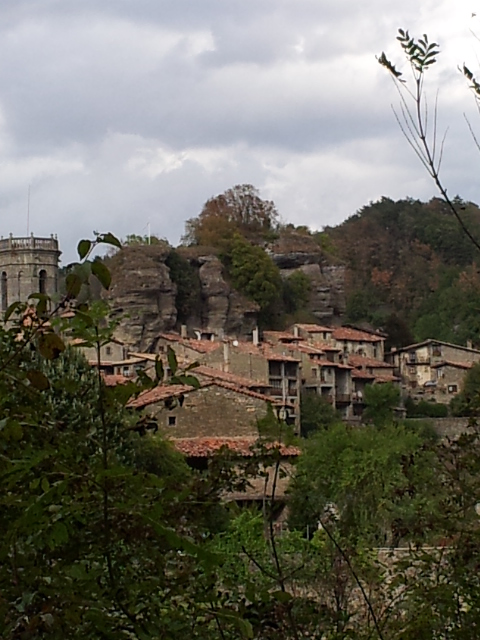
x=357, y=580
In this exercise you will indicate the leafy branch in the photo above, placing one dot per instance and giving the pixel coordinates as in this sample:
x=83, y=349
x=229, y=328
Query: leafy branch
x=413, y=118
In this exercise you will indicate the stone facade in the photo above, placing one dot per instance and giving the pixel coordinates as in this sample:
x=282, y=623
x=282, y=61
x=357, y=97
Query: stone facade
x=27, y=265
x=212, y=410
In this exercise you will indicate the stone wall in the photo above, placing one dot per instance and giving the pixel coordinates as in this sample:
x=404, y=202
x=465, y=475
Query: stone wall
x=27, y=265
x=211, y=412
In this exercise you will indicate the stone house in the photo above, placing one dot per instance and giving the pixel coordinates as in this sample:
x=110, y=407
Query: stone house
x=426, y=365
x=216, y=409
x=115, y=358
x=275, y=367
x=354, y=341
x=448, y=378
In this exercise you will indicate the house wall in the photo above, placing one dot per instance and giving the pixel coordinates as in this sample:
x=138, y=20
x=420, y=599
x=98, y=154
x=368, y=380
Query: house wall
x=211, y=412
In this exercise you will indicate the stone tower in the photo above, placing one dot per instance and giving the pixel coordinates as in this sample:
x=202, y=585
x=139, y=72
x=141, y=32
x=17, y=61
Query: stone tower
x=27, y=265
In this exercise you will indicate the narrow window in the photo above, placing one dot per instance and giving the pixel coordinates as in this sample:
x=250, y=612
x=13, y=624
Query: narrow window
x=19, y=285
x=172, y=421
x=4, y=291
x=42, y=281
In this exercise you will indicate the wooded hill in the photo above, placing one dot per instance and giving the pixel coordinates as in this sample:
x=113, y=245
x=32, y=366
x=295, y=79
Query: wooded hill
x=411, y=269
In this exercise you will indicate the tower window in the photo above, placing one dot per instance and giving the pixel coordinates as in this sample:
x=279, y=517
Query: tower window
x=4, y=291
x=42, y=281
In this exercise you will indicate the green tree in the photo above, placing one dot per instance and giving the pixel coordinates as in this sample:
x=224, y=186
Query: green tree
x=381, y=400
x=315, y=413
x=254, y=274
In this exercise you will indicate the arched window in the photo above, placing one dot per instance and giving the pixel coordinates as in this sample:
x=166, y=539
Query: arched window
x=4, y=291
x=42, y=281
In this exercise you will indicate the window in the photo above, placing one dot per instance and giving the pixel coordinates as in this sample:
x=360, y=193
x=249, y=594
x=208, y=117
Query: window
x=452, y=388
x=108, y=351
x=4, y=291
x=172, y=421
x=314, y=372
x=42, y=281
x=126, y=371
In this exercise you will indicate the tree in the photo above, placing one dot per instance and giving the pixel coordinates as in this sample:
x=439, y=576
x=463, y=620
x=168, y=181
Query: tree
x=381, y=400
x=254, y=274
x=315, y=413
x=239, y=210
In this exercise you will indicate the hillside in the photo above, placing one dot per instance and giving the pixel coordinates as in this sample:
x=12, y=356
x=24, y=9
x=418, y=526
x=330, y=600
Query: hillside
x=411, y=270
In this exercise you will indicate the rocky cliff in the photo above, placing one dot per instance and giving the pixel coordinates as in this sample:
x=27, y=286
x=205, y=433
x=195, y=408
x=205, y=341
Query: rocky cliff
x=143, y=295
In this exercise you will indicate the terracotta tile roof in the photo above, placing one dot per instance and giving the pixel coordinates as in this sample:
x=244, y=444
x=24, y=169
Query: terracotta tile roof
x=217, y=374
x=327, y=347
x=158, y=394
x=309, y=349
x=346, y=333
x=116, y=363
x=279, y=336
x=450, y=363
x=202, y=346
x=112, y=380
x=387, y=378
x=360, y=374
x=313, y=328
x=164, y=391
x=364, y=361
x=206, y=447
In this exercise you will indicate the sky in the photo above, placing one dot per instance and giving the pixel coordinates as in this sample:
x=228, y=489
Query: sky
x=127, y=115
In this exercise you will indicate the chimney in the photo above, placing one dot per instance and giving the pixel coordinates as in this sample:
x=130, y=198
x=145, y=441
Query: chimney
x=226, y=356
x=255, y=337
x=183, y=331
x=295, y=331
x=221, y=333
x=469, y=344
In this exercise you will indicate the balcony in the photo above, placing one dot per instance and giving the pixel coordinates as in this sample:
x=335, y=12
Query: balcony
x=343, y=398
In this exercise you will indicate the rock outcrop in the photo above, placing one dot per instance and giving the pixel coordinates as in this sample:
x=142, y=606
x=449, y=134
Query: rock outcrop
x=296, y=251
x=143, y=295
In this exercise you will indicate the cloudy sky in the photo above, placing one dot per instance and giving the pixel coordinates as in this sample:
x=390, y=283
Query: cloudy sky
x=117, y=114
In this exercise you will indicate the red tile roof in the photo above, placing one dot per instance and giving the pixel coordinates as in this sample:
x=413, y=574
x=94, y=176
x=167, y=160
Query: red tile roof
x=112, y=380
x=206, y=447
x=202, y=346
x=162, y=392
x=158, y=394
x=279, y=336
x=354, y=335
x=360, y=374
x=450, y=363
x=363, y=361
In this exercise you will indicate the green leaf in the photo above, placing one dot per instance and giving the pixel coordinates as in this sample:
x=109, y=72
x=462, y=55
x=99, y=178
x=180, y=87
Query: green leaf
x=282, y=596
x=38, y=380
x=172, y=360
x=50, y=345
x=159, y=372
x=109, y=238
x=12, y=308
x=58, y=535
x=73, y=284
x=191, y=380
x=83, y=248
x=102, y=273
